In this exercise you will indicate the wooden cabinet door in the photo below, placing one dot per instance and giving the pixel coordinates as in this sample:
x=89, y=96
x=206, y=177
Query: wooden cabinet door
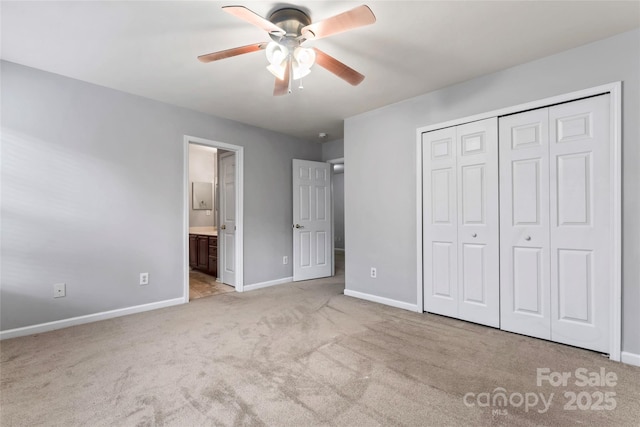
x=203, y=252
x=213, y=266
x=193, y=251
x=213, y=256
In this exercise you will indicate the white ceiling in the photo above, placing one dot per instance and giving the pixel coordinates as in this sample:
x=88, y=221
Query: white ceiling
x=149, y=48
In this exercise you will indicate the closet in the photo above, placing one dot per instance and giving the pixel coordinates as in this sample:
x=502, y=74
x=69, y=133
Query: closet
x=517, y=224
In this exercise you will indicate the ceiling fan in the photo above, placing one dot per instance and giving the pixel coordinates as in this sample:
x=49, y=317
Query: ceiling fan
x=289, y=28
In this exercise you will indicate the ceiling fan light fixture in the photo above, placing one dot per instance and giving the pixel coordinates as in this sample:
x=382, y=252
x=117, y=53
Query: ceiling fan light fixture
x=301, y=60
x=299, y=73
x=305, y=57
x=276, y=53
x=278, y=70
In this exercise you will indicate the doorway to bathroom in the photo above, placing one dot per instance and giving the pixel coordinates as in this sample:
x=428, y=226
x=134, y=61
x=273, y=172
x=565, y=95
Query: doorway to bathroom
x=212, y=218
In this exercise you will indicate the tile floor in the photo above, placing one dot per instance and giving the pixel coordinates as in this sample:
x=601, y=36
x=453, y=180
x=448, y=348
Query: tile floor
x=203, y=285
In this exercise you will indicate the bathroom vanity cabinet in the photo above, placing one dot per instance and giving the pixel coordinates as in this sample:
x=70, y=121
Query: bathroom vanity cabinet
x=203, y=253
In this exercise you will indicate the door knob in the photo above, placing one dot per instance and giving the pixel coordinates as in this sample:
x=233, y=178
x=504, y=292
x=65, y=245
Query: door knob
x=474, y=235
x=527, y=238
x=223, y=227
x=299, y=226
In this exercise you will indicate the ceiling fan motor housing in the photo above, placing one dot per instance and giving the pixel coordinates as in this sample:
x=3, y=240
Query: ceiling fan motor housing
x=291, y=21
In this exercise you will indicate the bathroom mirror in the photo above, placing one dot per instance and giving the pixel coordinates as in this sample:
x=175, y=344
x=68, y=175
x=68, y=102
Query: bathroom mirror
x=202, y=196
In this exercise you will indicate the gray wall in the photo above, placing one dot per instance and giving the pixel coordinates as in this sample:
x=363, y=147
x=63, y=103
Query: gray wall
x=380, y=150
x=202, y=168
x=333, y=150
x=92, y=195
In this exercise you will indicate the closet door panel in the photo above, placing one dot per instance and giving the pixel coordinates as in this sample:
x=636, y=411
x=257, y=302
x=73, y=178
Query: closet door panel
x=440, y=222
x=478, y=252
x=442, y=276
x=528, y=281
x=525, y=181
x=473, y=274
x=580, y=222
x=525, y=305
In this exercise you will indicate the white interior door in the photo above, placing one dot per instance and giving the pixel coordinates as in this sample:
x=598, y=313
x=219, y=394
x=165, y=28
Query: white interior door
x=580, y=222
x=460, y=213
x=478, y=245
x=525, y=305
x=312, y=232
x=440, y=230
x=227, y=231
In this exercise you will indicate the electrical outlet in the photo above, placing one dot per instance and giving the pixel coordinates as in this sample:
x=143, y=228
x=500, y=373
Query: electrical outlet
x=374, y=272
x=59, y=290
x=285, y=259
x=144, y=278
x=208, y=213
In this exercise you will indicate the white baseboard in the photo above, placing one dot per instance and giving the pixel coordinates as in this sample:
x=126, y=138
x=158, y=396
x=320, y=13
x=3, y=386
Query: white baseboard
x=65, y=323
x=381, y=300
x=630, y=358
x=268, y=283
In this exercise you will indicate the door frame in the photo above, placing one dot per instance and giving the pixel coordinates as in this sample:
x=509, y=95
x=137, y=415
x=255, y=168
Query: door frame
x=239, y=152
x=614, y=89
x=333, y=162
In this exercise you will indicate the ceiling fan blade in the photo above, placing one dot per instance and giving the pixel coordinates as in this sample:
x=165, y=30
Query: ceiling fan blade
x=354, y=18
x=282, y=87
x=215, y=56
x=253, y=18
x=341, y=70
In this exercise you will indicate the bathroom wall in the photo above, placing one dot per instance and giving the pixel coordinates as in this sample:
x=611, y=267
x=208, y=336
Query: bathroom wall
x=202, y=168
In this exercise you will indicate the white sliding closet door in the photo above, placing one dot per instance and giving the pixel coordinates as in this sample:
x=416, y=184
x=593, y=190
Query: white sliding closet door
x=580, y=223
x=525, y=305
x=460, y=215
x=440, y=219
x=555, y=223
x=478, y=250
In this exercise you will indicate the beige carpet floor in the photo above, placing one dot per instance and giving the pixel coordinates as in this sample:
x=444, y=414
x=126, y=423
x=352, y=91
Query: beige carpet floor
x=295, y=355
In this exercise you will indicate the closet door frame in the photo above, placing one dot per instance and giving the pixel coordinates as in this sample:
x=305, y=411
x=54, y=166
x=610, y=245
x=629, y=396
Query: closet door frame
x=615, y=90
